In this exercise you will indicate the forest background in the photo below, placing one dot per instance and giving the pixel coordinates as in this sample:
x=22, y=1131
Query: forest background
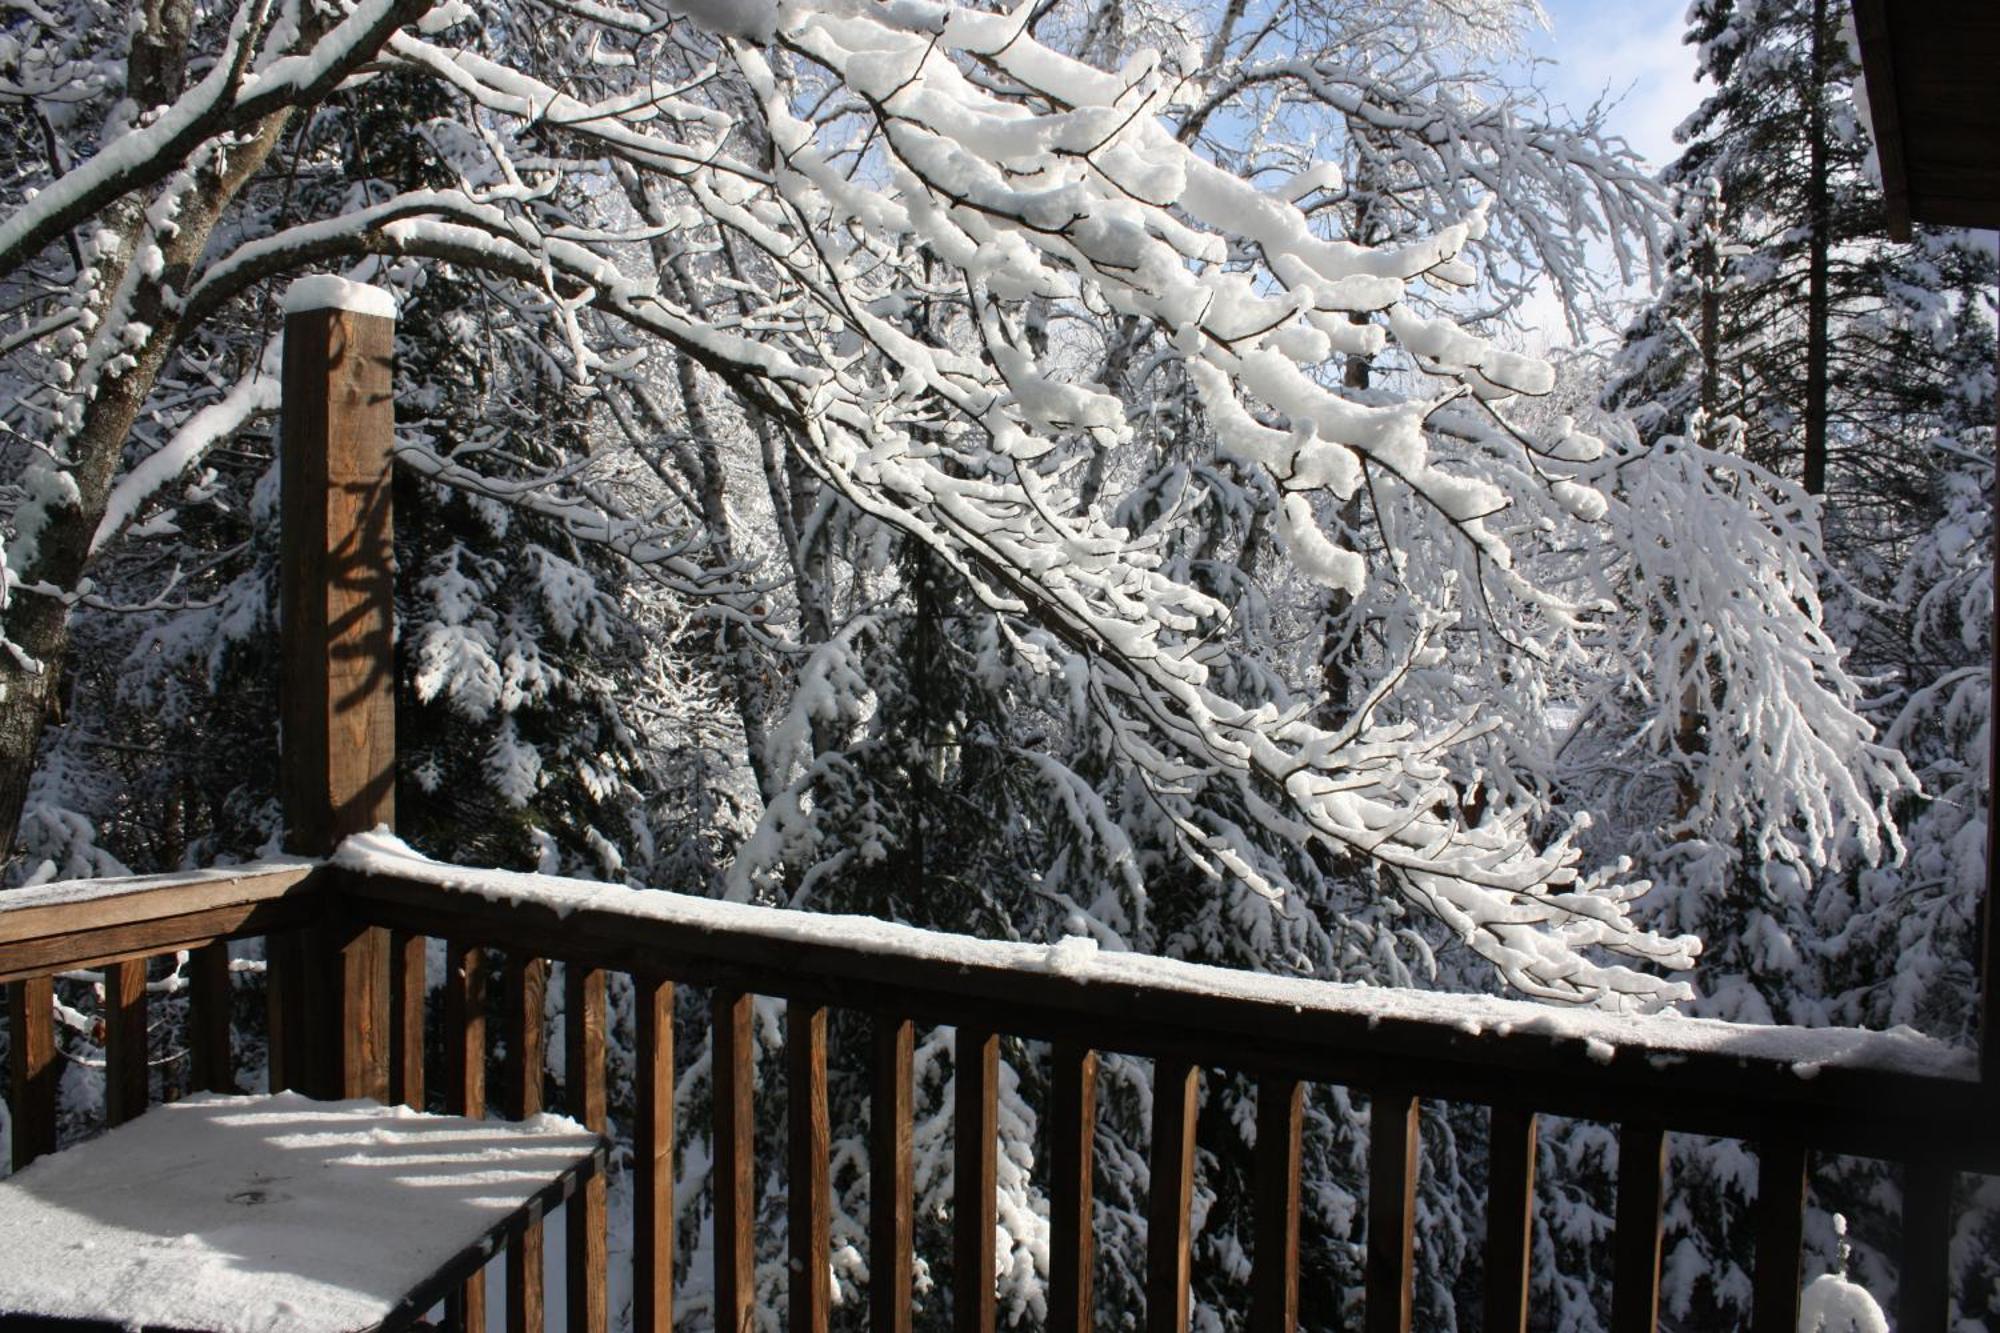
x=1251, y=482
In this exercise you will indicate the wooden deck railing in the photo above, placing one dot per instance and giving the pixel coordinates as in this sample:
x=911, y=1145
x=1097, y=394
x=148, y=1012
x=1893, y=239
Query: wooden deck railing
x=1789, y=1092
x=344, y=993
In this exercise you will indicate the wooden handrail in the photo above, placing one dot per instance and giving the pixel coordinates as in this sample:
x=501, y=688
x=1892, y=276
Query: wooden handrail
x=1789, y=1091
x=1870, y=1094
x=87, y=923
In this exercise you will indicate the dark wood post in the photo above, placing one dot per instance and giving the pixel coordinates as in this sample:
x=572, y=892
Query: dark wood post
x=338, y=703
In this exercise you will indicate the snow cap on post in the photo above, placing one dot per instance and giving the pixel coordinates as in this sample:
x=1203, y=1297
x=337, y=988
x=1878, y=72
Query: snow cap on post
x=327, y=291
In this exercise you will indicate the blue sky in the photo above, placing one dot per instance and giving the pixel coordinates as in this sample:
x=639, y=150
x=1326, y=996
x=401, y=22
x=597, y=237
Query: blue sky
x=1630, y=49
x=1629, y=53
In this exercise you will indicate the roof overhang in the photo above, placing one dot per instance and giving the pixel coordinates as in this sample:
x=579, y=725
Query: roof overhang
x=1933, y=77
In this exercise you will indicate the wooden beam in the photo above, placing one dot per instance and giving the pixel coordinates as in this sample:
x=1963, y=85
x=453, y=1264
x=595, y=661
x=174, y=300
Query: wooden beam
x=1176, y=1094
x=1392, y=1210
x=975, y=1129
x=891, y=1179
x=1072, y=1122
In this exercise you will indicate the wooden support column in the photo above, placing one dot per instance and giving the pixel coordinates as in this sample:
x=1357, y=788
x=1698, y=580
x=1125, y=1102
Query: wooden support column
x=338, y=704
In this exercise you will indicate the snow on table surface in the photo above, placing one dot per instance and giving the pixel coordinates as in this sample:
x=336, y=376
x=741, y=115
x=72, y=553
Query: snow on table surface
x=1662, y=1036
x=275, y=1213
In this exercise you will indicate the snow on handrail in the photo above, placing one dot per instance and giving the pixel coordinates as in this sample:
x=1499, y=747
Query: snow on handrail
x=1662, y=1036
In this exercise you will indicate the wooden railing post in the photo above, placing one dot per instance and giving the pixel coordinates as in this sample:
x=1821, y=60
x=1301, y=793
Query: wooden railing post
x=1274, y=1258
x=891, y=1209
x=337, y=594
x=1637, y=1228
x=975, y=1128
x=1510, y=1218
x=34, y=1071
x=1392, y=1210
x=1072, y=1122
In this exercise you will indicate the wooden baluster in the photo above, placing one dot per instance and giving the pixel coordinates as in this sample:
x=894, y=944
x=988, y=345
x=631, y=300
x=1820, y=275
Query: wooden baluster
x=1274, y=1271
x=33, y=1073
x=584, y=1101
x=1510, y=1218
x=1635, y=1278
x=1176, y=1090
x=1392, y=1210
x=465, y=1086
x=527, y=992
x=406, y=1030
x=975, y=1128
x=731, y=1059
x=288, y=1038
x=125, y=1069
x=1072, y=1153
x=891, y=1181
x=210, y=999
x=653, y=1158
x=810, y=1201
x=358, y=965
x=1923, y=1280
x=1781, y=1218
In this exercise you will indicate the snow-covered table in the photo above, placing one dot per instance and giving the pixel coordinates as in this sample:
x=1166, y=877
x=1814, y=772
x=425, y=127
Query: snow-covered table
x=275, y=1213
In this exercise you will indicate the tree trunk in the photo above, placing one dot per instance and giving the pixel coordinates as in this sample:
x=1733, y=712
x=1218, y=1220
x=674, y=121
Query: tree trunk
x=35, y=624
x=1819, y=222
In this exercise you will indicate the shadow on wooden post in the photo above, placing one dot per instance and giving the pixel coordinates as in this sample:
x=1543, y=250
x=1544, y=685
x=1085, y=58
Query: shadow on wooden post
x=338, y=700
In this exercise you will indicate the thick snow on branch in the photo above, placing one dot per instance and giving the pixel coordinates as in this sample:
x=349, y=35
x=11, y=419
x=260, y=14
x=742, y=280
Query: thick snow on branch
x=903, y=216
